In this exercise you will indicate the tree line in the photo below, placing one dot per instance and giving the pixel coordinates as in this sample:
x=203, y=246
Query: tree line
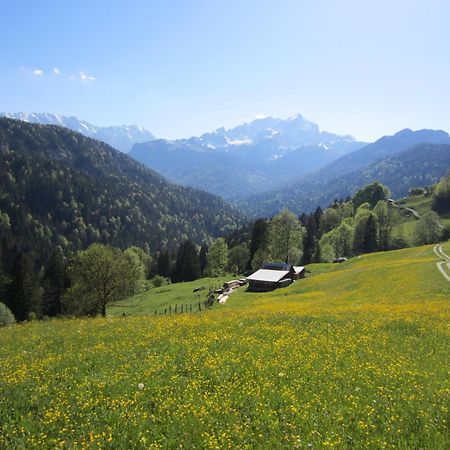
x=92, y=279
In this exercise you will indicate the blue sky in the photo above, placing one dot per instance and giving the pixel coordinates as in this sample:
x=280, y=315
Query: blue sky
x=181, y=68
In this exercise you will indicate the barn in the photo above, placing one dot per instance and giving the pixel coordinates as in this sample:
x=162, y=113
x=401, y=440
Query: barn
x=274, y=275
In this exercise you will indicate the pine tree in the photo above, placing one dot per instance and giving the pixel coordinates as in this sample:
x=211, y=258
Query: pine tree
x=317, y=257
x=370, y=243
x=187, y=266
x=309, y=242
x=24, y=294
x=164, y=263
x=259, y=237
x=318, y=213
x=202, y=258
x=55, y=284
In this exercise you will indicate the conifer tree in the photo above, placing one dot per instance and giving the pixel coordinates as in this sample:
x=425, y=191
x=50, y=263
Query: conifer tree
x=24, y=293
x=202, y=258
x=317, y=257
x=318, y=213
x=187, y=266
x=259, y=237
x=370, y=242
x=163, y=263
x=55, y=284
x=309, y=242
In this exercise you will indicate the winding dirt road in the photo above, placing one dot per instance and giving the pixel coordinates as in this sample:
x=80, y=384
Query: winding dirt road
x=445, y=261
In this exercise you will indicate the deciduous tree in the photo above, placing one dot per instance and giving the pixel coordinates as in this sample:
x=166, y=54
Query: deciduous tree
x=238, y=257
x=285, y=237
x=217, y=258
x=100, y=276
x=427, y=229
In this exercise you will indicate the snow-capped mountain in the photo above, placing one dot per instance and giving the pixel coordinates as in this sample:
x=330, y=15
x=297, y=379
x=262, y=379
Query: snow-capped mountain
x=245, y=159
x=289, y=134
x=120, y=137
x=279, y=134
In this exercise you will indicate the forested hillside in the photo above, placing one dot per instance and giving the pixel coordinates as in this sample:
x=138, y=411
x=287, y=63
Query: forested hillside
x=420, y=165
x=59, y=188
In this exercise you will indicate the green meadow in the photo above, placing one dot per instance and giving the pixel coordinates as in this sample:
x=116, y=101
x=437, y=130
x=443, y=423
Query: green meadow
x=354, y=356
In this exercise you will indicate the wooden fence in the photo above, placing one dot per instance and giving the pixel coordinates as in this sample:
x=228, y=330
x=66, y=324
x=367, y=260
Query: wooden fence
x=185, y=308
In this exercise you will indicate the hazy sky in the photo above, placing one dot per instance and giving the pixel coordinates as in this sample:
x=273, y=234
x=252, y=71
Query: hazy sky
x=181, y=68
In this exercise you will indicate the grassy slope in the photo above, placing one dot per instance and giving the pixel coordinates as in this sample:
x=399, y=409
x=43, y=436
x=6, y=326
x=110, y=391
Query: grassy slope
x=356, y=355
x=170, y=295
x=422, y=204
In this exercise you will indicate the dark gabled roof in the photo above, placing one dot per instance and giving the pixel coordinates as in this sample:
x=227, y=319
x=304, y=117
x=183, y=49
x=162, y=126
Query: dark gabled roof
x=277, y=266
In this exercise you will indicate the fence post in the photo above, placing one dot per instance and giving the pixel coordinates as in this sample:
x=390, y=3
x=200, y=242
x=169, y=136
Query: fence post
x=199, y=306
x=170, y=309
x=155, y=312
x=191, y=306
x=182, y=308
x=176, y=308
x=165, y=310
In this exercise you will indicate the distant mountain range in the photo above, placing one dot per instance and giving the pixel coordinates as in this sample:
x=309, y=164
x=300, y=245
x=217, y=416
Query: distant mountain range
x=402, y=161
x=120, y=137
x=60, y=188
x=247, y=159
x=270, y=164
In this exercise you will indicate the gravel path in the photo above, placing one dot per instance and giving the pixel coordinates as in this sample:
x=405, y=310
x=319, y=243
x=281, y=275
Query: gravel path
x=446, y=261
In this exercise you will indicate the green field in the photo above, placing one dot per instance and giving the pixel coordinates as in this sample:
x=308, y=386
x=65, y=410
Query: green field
x=354, y=356
x=422, y=204
x=161, y=298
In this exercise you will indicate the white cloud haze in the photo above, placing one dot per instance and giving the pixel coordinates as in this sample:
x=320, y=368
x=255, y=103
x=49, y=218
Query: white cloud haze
x=85, y=77
x=82, y=76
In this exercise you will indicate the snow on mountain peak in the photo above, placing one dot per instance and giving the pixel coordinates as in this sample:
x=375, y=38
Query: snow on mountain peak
x=120, y=137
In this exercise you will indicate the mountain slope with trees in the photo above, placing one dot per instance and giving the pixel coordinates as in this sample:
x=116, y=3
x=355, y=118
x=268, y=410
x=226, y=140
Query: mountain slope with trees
x=382, y=148
x=59, y=188
x=420, y=165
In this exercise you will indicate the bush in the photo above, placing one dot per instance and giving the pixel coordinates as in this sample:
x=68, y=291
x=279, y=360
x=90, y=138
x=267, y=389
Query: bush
x=428, y=230
x=441, y=196
x=446, y=233
x=416, y=191
x=159, y=281
x=6, y=316
x=399, y=242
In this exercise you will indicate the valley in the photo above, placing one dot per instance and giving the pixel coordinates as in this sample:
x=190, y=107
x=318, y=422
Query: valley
x=224, y=225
